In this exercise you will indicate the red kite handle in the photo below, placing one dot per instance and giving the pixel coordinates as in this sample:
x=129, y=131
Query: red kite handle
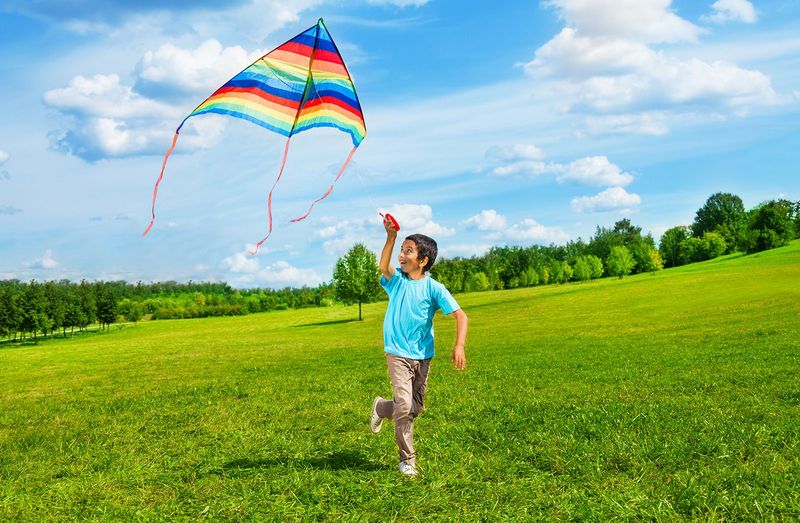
x=391, y=219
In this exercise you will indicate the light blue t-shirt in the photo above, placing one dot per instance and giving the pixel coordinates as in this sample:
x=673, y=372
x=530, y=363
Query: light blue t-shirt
x=408, y=324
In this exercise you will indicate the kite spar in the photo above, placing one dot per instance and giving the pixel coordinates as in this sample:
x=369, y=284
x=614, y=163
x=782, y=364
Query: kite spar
x=300, y=85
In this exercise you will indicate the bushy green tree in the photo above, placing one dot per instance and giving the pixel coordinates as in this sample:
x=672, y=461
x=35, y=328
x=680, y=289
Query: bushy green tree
x=596, y=264
x=530, y=277
x=581, y=270
x=670, y=245
x=770, y=225
x=566, y=270
x=722, y=213
x=620, y=262
x=356, y=277
x=477, y=282
x=33, y=304
x=714, y=245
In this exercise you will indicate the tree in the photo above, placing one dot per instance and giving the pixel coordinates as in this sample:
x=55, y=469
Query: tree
x=670, y=246
x=87, y=306
x=33, y=304
x=106, y=305
x=530, y=277
x=723, y=213
x=355, y=277
x=477, y=282
x=620, y=262
x=692, y=250
x=10, y=313
x=596, y=264
x=714, y=245
x=769, y=225
x=581, y=270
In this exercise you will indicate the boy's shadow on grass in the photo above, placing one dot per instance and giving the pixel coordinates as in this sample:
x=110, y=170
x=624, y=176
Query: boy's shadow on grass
x=321, y=323
x=334, y=460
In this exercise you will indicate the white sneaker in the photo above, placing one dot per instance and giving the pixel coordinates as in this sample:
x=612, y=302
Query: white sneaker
x=375, y=421
x=407, y=469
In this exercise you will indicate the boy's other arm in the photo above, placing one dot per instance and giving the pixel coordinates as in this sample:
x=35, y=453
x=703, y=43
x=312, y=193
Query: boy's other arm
x=386, y=254
x=458, y=356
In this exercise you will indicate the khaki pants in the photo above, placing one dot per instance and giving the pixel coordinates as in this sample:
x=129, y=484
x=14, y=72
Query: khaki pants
x=409, y=381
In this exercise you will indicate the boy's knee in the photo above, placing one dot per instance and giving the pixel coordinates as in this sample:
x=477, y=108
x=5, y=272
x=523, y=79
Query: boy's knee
x=402, y=410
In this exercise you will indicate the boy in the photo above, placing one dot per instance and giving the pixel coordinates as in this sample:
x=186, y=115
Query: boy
x=414, y=298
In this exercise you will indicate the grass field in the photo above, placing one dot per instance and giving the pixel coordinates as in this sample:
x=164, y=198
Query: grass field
x=667, y=397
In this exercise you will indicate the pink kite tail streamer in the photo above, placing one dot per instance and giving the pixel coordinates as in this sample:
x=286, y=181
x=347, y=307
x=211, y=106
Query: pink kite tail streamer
x=269, y=199
x=160, y=176
x=330, y=189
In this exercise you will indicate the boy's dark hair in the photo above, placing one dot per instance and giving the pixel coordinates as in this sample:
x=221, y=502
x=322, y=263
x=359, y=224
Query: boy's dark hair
x=426, y=246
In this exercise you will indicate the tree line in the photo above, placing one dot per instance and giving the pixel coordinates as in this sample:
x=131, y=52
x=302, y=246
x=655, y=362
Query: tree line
x=28, y=309
x=721, y=226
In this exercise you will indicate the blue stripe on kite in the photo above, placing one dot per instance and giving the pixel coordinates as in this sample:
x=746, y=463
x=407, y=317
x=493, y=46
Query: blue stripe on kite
x=339, y=94
x=289, y=86
x=244, y=116
x=323, y=42
x=281, y=93
x=353, y=136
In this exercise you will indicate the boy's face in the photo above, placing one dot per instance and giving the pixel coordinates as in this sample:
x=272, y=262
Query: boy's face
x=409, y=258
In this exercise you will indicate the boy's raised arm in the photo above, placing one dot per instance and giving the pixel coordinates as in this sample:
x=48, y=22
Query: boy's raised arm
x=386, y=255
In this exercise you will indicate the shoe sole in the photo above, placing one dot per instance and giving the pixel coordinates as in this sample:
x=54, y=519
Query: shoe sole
x=377, y=428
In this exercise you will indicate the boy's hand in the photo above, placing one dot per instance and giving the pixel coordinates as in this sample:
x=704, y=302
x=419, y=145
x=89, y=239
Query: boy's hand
x=458, y=357
x=391, y=230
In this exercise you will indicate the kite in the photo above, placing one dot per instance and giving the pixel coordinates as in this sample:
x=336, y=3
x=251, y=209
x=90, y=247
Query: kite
x=300, y=85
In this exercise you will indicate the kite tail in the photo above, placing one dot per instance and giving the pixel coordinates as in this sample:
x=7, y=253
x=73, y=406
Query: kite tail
x=330, y=189
x=269, y=198
x=160, y=176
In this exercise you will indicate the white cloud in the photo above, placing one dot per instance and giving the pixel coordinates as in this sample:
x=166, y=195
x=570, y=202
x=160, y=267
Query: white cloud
x=255, y=19
x=107, y=119
x=487, y=220
x=242, y=262
x=606, y=61
x=45, y=262
x=653, y=123
x=594, y=170
x=4, y=156
x=105, y=96
x=591, y=170
x=247, y=270
x=415, y=218
x=611, y=199
x=517, y=160
x=732, y=10
x=517, y=152
x=464, y=249
x=201, y=70
x=649, y=21
x=531, y=230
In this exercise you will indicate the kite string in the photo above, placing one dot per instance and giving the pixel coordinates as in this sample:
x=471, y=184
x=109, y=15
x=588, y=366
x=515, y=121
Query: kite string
x=160, y=177
x=269, y=198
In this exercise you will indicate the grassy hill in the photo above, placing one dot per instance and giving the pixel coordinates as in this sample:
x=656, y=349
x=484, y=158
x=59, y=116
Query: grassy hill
x=673, y=396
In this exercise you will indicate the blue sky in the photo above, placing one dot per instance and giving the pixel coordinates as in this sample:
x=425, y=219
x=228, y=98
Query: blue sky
x=503, y=123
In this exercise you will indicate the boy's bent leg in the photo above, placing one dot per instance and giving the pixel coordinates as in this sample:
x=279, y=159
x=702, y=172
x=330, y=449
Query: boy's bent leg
x=385, y=408
x=401, y=372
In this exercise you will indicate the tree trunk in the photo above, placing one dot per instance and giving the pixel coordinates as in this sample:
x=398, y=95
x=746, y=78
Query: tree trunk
x=359, y=310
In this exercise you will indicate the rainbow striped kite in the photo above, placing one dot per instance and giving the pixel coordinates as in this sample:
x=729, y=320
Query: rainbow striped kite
x=300, y=85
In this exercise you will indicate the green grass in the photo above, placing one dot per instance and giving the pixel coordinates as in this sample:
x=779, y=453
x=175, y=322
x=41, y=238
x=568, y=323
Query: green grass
x=668, y=397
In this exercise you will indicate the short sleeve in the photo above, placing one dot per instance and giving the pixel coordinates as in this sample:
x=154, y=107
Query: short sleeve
x=391, y=284
x=445, y=300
